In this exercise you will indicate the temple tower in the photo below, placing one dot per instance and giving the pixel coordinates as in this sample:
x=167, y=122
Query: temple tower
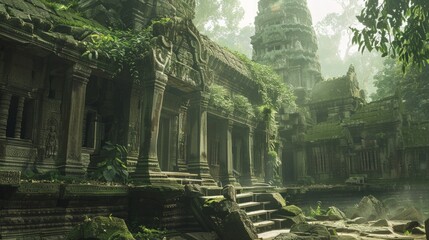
x=285, y=40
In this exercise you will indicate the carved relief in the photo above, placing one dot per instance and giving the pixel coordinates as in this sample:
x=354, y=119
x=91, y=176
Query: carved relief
x=133, y=143
x=51, y=140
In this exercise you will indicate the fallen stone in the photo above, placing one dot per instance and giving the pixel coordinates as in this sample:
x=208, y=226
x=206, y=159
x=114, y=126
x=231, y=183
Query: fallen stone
x=228, y=193
x=276, y=200
x=418, y=231
x=237, y=225
x=411, y=214
x=311, y=229
x=381, y=223
x=406, y=227
x=358, y=220
x=335, y=214
x=290, y=211
x=290, y=221
x=193, y=190
x=101, y=228
x=369, y=208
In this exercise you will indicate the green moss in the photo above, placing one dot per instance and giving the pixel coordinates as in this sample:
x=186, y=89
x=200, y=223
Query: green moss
x=101, y=228
x=325, y=131
x=221, y=98
x=384, y=111
x=339, y=88
x=210, y=201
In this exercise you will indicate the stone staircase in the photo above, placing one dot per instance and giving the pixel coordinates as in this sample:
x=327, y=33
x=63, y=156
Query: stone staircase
x=262, y=213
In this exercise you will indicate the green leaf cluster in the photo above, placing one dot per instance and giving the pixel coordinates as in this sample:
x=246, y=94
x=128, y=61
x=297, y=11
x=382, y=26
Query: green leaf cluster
x=127, y=48
x=274, y=92
x=112, y=168
x=145, y=233
x=397, y=28
x=221, y=98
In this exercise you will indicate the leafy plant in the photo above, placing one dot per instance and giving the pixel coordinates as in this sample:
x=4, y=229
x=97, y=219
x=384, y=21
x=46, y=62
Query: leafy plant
x=126, y=48
x=318, y=211
x=150, y=234
x=220, y=98
x=112, y=168
x=242, y=103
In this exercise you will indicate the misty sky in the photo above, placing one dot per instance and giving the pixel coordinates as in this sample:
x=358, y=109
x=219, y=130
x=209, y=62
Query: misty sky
x=318, y=8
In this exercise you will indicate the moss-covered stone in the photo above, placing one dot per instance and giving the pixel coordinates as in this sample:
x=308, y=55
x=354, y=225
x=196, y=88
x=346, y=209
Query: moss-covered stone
x=101, y=228
x=290, y=210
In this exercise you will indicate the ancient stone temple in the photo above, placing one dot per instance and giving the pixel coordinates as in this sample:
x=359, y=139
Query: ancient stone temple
x=333, y=134
x=285, y=39
x=58, y=107
x=340, y=135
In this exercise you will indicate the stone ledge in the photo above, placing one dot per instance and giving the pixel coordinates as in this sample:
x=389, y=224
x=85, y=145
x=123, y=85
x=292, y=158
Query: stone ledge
x=11, y=178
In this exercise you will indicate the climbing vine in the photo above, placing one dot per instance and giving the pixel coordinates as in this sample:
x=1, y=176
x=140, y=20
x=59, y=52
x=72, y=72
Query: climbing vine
x=126, y=48
x=222, y=99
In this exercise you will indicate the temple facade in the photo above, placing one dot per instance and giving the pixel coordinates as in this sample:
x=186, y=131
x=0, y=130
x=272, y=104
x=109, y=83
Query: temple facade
x=59, y=107
x=334, y=134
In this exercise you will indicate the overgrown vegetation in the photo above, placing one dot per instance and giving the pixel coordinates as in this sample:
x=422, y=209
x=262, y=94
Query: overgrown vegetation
x=318, y=211
x=145, y=233
x=112, y=167
x=126, y=48
x=395, y=28
x=221, y=98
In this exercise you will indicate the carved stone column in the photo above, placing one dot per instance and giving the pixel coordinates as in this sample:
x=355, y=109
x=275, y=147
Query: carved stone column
x=228, y=165
x=154, y=83
x=181, y=138
x=147, y=169
x=5, y=98
x=248, y=175
x=198, y=138
x=72, y=114
x=19, y=116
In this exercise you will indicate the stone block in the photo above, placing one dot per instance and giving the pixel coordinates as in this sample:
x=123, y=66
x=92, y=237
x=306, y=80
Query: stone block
x=10, y=177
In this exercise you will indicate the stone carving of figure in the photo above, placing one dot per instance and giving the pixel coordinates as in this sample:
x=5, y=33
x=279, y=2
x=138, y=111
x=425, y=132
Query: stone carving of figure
x=51, y=143
x=298, y=44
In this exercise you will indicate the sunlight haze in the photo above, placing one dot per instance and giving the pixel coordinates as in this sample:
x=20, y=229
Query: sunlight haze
x=319, y=9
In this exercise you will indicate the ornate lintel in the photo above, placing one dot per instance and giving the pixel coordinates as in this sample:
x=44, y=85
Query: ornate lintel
x=81, y=73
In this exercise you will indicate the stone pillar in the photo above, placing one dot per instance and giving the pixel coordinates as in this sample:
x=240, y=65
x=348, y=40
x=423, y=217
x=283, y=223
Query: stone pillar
x=198, y=138
x=181, y=139
x=248, y=175
x=5, y=98
x=19, y=115
x=147, y=169
x=72, y=114
x=227, y=165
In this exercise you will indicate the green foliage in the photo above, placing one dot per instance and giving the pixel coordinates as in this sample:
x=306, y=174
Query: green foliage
x=412, y=87
x=126, y=48
x=220, y=20
x=221, y=98
x=318, y=211
x=145, y=233
x=60, y=5
x=397, y=28
x=112, y=168
x=242, y=104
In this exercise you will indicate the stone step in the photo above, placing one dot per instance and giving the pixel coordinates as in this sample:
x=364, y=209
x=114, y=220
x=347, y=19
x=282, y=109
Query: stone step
x=258, y=213
x=278, y=222
x=249, y=204
x=238, y=196
x=263, y=226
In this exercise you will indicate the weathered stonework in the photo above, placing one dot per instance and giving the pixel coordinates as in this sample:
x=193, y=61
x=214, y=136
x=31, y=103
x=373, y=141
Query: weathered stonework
x=285, y=39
